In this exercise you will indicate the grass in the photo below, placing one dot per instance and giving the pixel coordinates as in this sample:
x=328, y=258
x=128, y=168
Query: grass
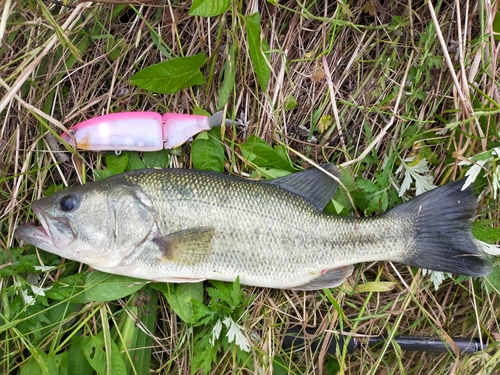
x=375, y=87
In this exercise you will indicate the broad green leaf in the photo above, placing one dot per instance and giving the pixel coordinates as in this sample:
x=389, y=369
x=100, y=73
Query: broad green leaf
x=117, y=164
x=332, y=365
x=279, y=366
x=103, y=287
x=259, y=50
x=258, y=152
x=207, y=151
x=229, y=77
x=94, y=350
x=180, y=297
x=269, y=173
x=47, y=364
x=171, y=76
x=101, y=174
x=77, y=361
x=68, y=287
x=135, y=162
x=200, y=112
x=156, y=159
x=209, y=8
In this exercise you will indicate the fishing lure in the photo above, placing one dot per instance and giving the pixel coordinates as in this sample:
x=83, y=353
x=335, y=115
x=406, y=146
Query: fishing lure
x=139, y=131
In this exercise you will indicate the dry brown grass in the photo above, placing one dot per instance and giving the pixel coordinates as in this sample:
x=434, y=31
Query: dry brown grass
x=355, y=62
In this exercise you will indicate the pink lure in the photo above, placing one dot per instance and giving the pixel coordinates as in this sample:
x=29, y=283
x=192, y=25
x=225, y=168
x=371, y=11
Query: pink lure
x=139, y=131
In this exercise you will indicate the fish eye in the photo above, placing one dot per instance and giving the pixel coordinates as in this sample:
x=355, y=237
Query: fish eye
x=68, y=203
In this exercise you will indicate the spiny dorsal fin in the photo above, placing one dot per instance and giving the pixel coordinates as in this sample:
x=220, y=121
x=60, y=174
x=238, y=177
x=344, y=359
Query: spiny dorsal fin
x=188, y=247
x=312, y=184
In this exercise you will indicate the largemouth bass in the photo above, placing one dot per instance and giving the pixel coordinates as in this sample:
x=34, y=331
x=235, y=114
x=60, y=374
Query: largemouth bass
x=177, y=225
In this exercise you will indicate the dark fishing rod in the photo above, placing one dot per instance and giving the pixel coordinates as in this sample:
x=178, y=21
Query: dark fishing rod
x=294, y=338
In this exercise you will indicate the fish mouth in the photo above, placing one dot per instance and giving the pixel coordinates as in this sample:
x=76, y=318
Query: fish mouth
x=51, y=234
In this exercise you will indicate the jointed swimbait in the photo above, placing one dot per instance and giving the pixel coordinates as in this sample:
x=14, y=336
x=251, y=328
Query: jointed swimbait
x=139, y=131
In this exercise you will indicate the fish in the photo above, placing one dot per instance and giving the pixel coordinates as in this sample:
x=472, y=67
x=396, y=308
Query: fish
x=185, y=225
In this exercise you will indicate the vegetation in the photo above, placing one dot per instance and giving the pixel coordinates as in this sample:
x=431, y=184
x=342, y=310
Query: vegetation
x=401, y=95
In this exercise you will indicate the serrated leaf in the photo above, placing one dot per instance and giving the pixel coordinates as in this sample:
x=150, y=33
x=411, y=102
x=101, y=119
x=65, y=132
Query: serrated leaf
x=235, y=334
x=95, y=350
x=180, y=297
x=103, y=287
x=259, y=50
x=229, y=78
x=207, y=151
x=205, y=354
x=171, y=76
x=492, y=282
x=209, y=8
x=367, y=186
x=258, y=152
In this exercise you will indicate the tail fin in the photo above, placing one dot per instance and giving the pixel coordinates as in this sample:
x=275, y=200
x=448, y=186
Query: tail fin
x=442, y=222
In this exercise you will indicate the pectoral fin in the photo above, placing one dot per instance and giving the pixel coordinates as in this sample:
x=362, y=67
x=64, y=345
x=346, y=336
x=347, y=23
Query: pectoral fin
x=188, y=247
x=328, y=279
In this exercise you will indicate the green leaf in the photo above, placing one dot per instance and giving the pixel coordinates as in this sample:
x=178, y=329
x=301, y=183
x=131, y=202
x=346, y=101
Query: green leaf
x=117, y=164
x=484, y=231
x=101, y=174
x=180, y=297
x=22, y=265
x=103, y=287
x=47, y=364
x=367, y=186
x=229, y=77
x=68, y=288
x=258, y=152
x=171, y=76
x=209, y=8
x=156, y=159
x=269, y=173
x=207, y=151
x=135, y=162
x=279, y=366
x=95, y=350
x=205, y=353
x=492, y=282
x=259, y=50
x=332, y=366
x=77, y=361
x=133, y=343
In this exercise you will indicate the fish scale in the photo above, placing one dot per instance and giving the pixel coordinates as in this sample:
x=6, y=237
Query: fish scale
x=182, y=225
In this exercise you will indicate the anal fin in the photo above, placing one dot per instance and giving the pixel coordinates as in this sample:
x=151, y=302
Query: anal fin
x=328, y=279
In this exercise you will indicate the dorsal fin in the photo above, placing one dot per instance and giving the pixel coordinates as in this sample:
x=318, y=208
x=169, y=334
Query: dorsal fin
x=312, y=184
